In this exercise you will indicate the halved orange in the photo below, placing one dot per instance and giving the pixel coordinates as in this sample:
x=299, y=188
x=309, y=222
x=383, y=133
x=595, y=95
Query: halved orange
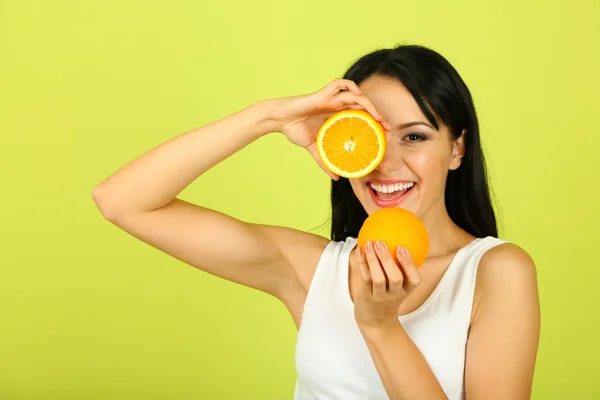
x=351, y=143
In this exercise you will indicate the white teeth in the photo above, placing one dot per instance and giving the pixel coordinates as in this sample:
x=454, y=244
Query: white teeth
x=392, y=188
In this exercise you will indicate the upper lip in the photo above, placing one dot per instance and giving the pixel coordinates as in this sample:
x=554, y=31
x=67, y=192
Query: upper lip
x=387, y=181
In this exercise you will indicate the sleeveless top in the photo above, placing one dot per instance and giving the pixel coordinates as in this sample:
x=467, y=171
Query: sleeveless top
x=331, y=356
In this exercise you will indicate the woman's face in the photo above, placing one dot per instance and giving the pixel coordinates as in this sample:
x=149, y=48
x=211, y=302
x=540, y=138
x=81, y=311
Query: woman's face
x=413, y=172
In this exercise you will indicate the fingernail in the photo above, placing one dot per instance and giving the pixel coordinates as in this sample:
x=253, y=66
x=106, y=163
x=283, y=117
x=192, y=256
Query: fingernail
x=380, y=245
x=369, y=245
x=359, y=251
x=402, y=250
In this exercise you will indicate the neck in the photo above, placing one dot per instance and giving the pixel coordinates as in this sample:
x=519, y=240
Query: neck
x=445, y=237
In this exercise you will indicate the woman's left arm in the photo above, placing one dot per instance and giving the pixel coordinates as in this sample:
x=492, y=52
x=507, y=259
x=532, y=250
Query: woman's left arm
x=504, y=334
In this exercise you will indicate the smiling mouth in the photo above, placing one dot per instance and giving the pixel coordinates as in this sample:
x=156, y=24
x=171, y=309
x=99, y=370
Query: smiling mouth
x=391, y=192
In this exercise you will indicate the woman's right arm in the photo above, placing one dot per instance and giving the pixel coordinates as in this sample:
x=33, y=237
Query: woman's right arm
x=140, y=197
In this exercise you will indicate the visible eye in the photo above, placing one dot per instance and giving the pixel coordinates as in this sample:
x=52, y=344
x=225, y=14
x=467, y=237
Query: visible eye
x=415, y=137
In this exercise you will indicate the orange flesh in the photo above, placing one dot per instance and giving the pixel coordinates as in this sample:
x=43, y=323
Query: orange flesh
x=344, y=134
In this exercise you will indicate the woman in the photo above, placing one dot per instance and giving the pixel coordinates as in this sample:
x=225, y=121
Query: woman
x=464, y=325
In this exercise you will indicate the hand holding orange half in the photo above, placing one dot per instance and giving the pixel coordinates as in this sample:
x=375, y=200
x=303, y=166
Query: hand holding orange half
x=337, y=112
x=388, y=273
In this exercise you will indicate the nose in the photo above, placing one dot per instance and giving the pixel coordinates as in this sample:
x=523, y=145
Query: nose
x=391, y=162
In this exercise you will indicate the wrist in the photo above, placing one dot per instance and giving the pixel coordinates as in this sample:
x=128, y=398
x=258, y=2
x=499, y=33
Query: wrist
x=268, y=117
x=381, y=331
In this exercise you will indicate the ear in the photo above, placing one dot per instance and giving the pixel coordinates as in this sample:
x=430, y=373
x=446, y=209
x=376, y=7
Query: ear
x=458, y=151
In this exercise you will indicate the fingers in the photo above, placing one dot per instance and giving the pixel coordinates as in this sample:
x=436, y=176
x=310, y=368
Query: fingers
x=380, y=273
x=365, y=274
x=377, y=275
x=391, y=269
x=347, y=93
x=350, y=100
x=412, y=276
x=342, y=84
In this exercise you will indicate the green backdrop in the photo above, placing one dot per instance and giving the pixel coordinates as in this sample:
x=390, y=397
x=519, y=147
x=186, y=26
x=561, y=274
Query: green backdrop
x=89, y=312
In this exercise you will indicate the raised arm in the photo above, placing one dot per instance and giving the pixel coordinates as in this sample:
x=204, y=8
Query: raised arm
x=140, y=197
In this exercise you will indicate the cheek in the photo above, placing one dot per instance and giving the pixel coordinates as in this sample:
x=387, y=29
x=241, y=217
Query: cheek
x=429, y=166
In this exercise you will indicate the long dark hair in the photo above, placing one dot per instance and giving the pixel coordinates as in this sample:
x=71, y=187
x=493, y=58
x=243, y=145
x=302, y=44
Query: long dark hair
x=445, y=100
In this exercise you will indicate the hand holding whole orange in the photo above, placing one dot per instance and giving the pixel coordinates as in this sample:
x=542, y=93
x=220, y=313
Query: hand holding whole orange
x=392, y=245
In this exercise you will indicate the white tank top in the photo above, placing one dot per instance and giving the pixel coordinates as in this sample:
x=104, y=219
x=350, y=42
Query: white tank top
x=332, y=358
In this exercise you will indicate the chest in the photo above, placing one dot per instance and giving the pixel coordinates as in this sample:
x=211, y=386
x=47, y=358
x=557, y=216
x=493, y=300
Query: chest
x=332, y=355
x=332, y=358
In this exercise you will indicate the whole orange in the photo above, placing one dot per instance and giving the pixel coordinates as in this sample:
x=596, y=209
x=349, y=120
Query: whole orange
x=396, y=227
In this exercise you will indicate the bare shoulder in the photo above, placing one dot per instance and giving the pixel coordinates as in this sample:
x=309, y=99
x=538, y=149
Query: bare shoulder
x=506, y=262
x=505, y=270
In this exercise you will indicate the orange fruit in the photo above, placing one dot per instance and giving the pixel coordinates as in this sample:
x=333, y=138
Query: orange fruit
x=351, y=143
x=396, y=227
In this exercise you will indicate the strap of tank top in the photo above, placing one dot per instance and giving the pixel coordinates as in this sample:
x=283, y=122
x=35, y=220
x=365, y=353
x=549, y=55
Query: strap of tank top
x=461, y=286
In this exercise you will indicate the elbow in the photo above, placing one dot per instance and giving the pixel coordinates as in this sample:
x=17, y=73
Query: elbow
x=102, y=200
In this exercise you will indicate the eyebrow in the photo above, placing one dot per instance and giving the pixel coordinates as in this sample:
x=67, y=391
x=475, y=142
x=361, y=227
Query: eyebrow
x=409, y=124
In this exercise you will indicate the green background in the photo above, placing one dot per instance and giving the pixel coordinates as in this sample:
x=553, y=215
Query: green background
x=88, y=312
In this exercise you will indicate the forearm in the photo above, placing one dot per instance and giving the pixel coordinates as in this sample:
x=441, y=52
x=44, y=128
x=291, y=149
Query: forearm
x=156, y=177
x=401, y=366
